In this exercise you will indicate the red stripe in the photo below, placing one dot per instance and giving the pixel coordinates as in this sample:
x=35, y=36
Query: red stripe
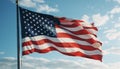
x=61, y=35
x=96, y=57
x=62, y=19
x=78, y=32
x=65, y=35
x=94, y=28
x=78, y=21
x=75, y=23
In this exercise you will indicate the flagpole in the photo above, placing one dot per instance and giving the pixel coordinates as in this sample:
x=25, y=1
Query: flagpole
x=18, y=37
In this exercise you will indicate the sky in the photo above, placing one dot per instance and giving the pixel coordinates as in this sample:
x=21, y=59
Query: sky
x=104, y=13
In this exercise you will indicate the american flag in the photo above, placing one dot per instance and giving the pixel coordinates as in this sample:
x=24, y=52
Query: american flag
x=43, y=33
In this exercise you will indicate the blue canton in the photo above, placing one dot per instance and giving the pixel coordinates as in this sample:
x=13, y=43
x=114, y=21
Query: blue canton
x=34, y=24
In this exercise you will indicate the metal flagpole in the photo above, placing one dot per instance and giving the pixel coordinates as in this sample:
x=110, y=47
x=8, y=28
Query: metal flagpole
x=18, y=37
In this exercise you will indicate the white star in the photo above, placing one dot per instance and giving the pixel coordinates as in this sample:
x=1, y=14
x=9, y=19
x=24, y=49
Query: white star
x=35, y=29
x=36, y=18
x=27, y=19
x=29, y=13
x=48, y=22
x=24, y=21
x=28, y=24
x=26, y=14
x=45, y=20
x=33, y=20
x=31, y=27
x=30, y=35
x=30, y=21
x=42, y=18
x=33, y=15
x=34, y=24
x=26, y=32
x=51, y=25
x=52, y=30
x=28, y=29
x=35, y=33
x=46, y=25
x=25, y=27
x=32, y=31
x=43, y=23
x=38, y=27
x=39, y=20
x=41, y=29
x=30, y=17
x=38, y=15
x=38, y=31
x=24, y=17
x=48, y=34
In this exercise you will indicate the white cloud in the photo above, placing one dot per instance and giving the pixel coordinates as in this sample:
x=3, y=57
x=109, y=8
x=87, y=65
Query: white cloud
x=46, y=8
x=37, y=59
x=9, y=58
x=115, y=10
x=112, y=50
x=27, y=3
x=117, y=25
x=38, y=5
x=39, y=1
x=117, y=1
x=40, y=63
x=105, y=42
x=2, y=53
x=86, y=18
x=112, y=12
x=8, y=63
x=112, y=34
x=99, y=19
x=114, y=65
x=110, y=31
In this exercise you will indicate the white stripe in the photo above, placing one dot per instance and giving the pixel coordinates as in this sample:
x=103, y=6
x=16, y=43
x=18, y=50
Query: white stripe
x=59, y=40
x=86, y=24
x=64, y=50
x=84, y=36
x=92, y=31
x=80, y=28
x=74, y=29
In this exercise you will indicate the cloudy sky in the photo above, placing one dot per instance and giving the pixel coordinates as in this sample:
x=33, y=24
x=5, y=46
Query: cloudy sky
x=104, y=13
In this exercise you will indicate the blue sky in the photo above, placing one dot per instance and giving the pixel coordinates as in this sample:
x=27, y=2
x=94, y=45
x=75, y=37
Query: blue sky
x=104, y=13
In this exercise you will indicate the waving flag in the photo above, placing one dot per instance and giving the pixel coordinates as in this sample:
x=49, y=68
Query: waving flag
x=43, y=33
